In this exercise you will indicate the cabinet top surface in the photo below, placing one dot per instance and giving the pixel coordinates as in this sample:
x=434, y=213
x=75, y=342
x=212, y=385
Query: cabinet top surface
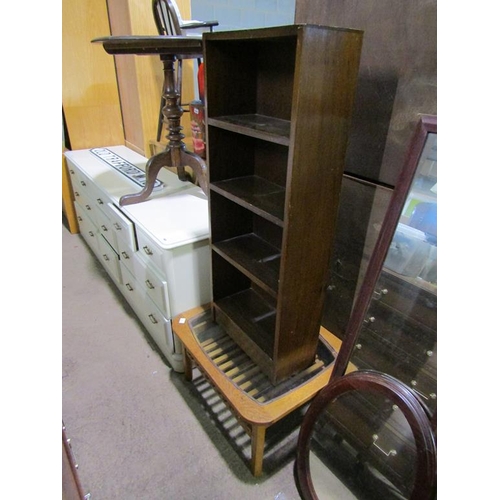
x=173, y=216
x=272, y=32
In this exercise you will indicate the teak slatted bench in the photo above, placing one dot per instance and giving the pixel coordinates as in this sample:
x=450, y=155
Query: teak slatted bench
x=255, y=402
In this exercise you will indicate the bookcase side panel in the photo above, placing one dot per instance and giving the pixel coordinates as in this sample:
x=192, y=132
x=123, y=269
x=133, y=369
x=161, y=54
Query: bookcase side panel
x=324, y=89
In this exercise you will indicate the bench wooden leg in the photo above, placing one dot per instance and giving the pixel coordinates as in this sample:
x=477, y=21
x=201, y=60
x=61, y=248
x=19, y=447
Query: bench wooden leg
x=188, y=365
x=258, y=439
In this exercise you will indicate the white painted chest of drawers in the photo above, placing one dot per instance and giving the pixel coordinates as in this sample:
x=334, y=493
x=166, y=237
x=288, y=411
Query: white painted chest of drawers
x=156, y=252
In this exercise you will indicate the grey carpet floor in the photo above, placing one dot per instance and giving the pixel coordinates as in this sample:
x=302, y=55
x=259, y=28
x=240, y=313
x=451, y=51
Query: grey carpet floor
x=139, y=430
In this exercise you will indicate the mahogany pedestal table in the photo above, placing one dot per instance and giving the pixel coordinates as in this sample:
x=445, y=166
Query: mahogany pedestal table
x=170, y=49
x=255, y=402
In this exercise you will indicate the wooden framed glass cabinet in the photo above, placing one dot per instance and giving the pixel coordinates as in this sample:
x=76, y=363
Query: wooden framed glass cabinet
x=374, y=424
x=393, y=327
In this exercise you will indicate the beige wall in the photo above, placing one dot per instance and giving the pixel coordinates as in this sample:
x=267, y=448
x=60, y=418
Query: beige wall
x=93, y=89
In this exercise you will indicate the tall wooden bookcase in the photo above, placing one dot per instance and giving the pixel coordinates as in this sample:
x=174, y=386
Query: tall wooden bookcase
x=279, y=102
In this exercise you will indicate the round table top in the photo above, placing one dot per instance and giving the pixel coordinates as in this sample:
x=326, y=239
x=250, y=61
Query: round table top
x=180, y=46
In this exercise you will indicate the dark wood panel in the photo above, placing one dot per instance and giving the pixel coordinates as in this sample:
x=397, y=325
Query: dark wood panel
x=327, y=60
x=397, y=76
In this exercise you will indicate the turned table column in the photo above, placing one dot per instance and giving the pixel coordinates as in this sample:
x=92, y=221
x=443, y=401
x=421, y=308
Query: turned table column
x=175, y=154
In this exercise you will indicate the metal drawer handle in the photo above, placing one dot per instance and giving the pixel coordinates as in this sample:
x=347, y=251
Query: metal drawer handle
x=125, y=255
x=77, y=194
x=371, y=319
x=105, y=257
x=88, y=207
x=378, y=295
x=117, y=226
x=432, y=395
x=83, y=183
x=100, y=201
x=153, y=319
x=147, y=250
x=149, y=285
x=79, y=219
x=386, y=453
x=91, y=234
x=129, y=287
x=72, y=172
x=359, y=346
x=104, y=228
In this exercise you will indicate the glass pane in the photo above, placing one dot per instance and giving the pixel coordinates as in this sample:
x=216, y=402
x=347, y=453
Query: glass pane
x=362, y=208
x=362, y=447
x=400, y=330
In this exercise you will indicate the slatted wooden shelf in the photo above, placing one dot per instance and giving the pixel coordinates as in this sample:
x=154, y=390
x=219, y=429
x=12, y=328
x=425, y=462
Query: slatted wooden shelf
x=248, y=392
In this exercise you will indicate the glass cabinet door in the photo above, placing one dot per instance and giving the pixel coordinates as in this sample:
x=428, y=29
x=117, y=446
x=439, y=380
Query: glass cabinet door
x=373, y=426
x=399, y=331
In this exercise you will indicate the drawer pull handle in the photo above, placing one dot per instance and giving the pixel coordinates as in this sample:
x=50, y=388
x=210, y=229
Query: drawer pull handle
x=369, y=320
x=79, y=219
x=77, y=194
x=147, y=250
x=72, y=172
x=153, y=319
x=129, y=287
x=125, y=255
x=359, y=346
x=91, y=234
x=378, y=295
x=100, y=201
x=149, y=285
x=88, y=207
x=386, y=453
x=117, y=226
x=104, y=228
x=432, y=395
x=83, y=183
x=105, y=257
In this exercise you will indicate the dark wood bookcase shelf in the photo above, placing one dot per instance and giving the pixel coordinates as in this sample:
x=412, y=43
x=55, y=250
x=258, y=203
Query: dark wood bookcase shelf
x=263, y=127
x=255, y=193
x=279, y=102
x=254, y=257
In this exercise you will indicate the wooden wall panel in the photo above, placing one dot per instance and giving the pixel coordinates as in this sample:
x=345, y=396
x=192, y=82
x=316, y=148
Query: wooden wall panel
x=396, y=82
x=397, y=76
x=89, y=90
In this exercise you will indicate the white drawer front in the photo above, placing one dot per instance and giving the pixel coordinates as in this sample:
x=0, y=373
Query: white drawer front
x=159, y=327
x=109, y=259
x=150, y=251
x=105, y=228
x=133, y=293
x=81, y=183
x=126, y=254
x=87, y=228
x=155, y=286
x=83, y=201
x=104, y=225
x=122, y=226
